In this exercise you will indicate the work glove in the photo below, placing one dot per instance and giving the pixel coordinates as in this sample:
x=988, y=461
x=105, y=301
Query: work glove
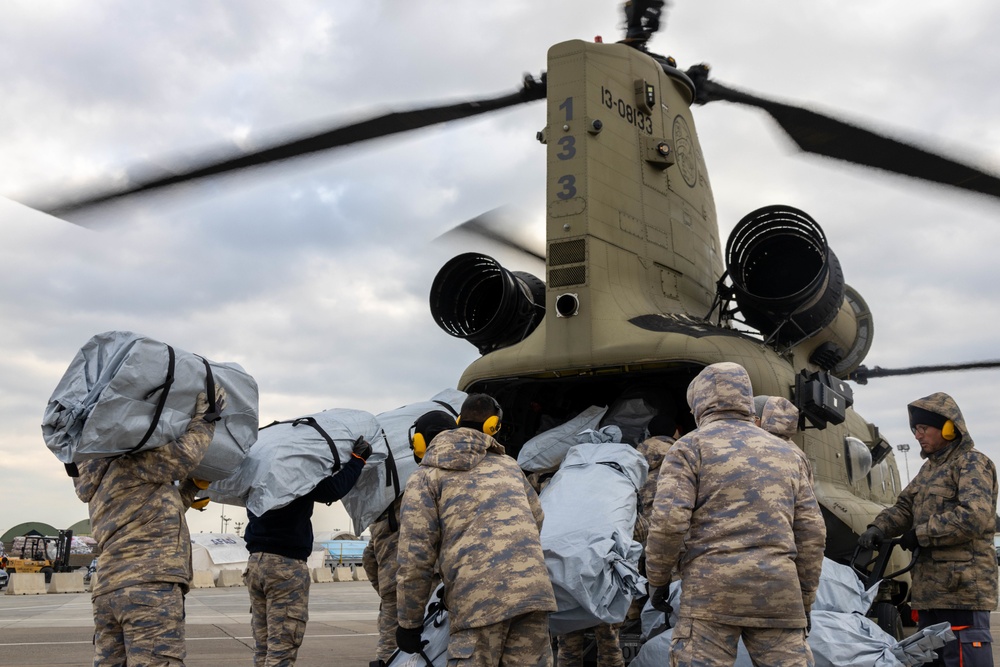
x=659, y=600
x=809, y=623
x=909, y=540
x=200, y=483
x=361, y=449
x=408, y=639
x=200, y=504
x=871, y=538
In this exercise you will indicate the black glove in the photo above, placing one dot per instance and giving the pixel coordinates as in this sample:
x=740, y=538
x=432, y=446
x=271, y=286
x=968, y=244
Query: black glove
x=361, y=449
x=909, y=540
x=871, y=538
x=408, y=639
x=659, y=600
x=809, y=623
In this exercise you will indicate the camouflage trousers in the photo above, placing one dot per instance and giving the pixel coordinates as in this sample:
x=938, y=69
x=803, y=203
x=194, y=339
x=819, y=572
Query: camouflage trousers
x=522, y=641
x=697, y=642
x=279, y=607
x=573, y=646
x=140, y=625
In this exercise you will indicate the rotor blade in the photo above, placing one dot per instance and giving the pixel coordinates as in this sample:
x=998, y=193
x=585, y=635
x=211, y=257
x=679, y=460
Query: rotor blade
x=388, y=124
x=862, y=373
x=816, y=133
x=492, y=226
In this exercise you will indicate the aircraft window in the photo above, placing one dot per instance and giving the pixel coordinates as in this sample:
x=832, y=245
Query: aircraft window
x=859, y=459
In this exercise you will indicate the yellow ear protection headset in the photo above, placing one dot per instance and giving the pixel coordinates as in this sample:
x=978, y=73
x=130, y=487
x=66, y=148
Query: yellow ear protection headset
x=426, y=427
x=492, y=425
x=948, y=431
x=417, y=442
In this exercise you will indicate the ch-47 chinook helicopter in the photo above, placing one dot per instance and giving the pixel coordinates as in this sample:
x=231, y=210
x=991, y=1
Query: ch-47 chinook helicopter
x=640, y=291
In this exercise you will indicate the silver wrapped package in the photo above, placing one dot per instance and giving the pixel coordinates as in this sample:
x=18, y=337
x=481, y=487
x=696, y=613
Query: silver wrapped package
x=291, y=457
x=125, y=393
x=587, y=537
x=386, y=478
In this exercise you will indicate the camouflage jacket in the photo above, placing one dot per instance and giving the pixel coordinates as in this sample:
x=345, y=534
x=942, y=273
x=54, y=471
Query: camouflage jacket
x=951, y=503
x=470, y=508
x=736, y=514
x=137, y=511
x=654, y=449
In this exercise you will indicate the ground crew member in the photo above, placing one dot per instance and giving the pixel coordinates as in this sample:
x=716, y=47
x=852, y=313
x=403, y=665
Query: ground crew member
x=277, y=577
x=663, y=432
x=379, y=557
x=949, y=511
x=777, y=415
x=736, y=514
x=137, y=516
x=470, y=509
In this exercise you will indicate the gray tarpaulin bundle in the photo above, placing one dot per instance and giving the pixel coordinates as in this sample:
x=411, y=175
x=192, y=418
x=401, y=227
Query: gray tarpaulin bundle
x=545, y=451
x=590, y=512
x=126, y=393
x=386, y=479
x=436, y=629
x=291, y=457
x=841, y=634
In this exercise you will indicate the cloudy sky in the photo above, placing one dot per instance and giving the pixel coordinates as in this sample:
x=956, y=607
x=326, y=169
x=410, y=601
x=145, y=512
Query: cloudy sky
x=314, y=275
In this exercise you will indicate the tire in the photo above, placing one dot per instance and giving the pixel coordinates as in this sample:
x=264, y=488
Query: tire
x=887, y=616
x=47, y=571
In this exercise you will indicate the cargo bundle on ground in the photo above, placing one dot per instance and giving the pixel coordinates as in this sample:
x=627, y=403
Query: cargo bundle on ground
x=126, y=393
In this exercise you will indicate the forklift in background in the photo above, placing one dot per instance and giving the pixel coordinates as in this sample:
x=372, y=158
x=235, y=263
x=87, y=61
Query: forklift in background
x=45, y=554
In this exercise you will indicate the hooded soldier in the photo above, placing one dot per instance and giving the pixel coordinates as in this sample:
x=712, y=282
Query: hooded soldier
x=469, y=510
x=735, y=513
x=949, y=511
x=777, y=415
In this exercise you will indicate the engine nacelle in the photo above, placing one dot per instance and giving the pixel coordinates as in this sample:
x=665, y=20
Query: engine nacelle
x=789, y=286
x=474, y=298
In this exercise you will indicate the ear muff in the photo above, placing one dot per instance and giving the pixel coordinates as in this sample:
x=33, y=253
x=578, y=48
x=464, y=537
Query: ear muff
x=492, y=425
x=948, y=431
x=417, y=442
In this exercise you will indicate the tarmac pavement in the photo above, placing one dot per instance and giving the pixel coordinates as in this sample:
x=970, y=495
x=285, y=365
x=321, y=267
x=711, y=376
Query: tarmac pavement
x=57, y=629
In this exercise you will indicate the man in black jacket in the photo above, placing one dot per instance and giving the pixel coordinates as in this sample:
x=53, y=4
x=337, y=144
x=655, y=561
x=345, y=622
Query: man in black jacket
x=279, y=542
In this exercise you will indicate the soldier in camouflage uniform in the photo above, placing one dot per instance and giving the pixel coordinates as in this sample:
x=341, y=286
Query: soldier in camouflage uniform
x=949, y=511
x=277, y=576
x=469, y=510
x=137, y=516
x=379, y=561
x=379, y=557
x=735, y=513
x=663, y=432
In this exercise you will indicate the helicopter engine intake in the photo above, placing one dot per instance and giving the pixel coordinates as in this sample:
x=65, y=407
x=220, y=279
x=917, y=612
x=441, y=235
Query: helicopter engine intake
x=789, y=285
x=474, y=298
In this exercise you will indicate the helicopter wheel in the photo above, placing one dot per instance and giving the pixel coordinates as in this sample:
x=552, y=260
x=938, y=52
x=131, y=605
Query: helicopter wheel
x=888, y=618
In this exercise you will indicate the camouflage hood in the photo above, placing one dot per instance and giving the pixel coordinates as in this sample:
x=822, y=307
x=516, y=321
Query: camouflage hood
x=942, y=404
x=460, y=449
x=721, y=391
x=779, y=417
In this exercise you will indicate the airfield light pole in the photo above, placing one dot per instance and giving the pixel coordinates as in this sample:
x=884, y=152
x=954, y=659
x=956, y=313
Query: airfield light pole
x=223, y=520
x=905, y=448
